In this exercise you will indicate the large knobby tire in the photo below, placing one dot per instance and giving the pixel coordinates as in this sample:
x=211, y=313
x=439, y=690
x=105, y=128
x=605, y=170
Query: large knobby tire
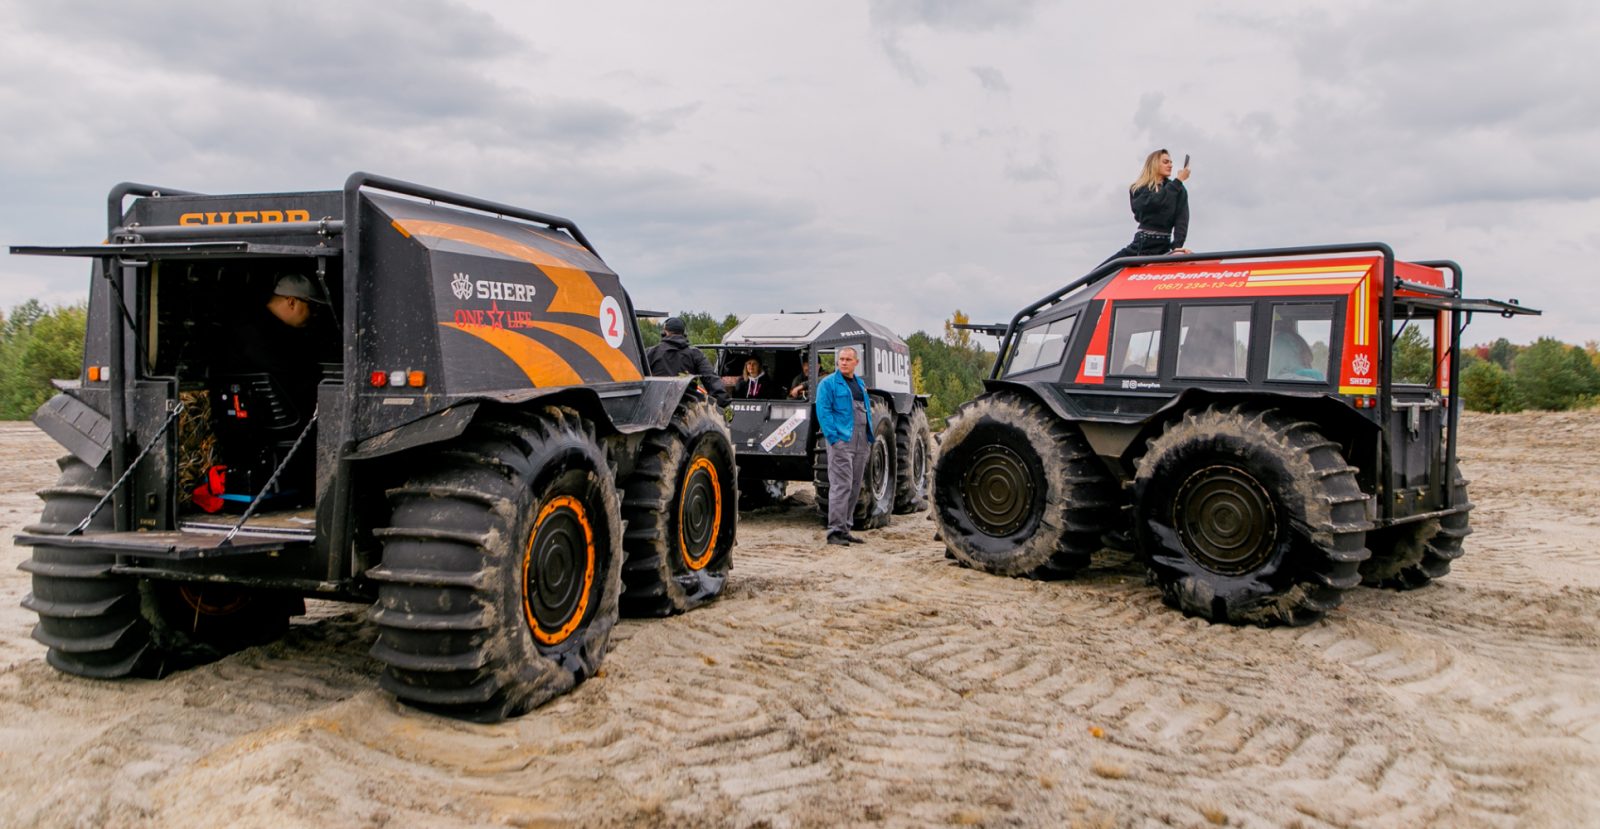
x=913, y=467
x=105, y=626
x=1017, y=491
x=501, y=568
x=1413, y=555
x=681, y=508
x=88, y=618
x=876, y=503
x=1248, y=516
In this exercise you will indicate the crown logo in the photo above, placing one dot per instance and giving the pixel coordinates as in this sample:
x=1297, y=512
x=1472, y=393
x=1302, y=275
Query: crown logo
x=1360, y=365
x=462, y=286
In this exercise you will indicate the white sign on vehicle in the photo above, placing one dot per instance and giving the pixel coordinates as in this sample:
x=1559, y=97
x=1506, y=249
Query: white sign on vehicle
x=783, y=430
x=612, y=325
x=891, y=370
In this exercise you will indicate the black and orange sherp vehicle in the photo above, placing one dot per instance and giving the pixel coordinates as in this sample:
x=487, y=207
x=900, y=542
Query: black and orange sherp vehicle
x=1258, y=426
x=466, y=459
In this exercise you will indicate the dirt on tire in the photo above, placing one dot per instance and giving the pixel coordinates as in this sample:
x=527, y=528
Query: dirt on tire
x=883, y=684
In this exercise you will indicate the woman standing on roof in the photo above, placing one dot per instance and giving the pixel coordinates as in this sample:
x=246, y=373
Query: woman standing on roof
x=1161, y=206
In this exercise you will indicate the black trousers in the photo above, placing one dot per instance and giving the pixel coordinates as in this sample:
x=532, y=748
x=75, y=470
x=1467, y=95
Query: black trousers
x=1144, y=244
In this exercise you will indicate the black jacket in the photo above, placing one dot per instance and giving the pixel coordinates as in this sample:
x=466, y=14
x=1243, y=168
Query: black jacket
x=1164, y=210
x=674, y=356
x=767, y=388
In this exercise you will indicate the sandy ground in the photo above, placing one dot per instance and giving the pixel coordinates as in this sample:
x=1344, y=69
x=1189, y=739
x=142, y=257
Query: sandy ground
x=879, y=684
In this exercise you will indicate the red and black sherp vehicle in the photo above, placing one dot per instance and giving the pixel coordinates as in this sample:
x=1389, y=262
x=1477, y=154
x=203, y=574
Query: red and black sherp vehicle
x=466, y=460
x=1241, y=419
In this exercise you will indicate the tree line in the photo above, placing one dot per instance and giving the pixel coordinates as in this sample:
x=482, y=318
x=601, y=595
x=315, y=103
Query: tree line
x=38, y=344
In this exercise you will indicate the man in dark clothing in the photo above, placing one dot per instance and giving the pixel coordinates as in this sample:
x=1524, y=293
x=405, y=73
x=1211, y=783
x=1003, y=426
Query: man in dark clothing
x=674, y=356
x=288, y=339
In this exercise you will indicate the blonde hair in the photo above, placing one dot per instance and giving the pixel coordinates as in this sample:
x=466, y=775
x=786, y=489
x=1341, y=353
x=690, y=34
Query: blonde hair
x=1150, y=176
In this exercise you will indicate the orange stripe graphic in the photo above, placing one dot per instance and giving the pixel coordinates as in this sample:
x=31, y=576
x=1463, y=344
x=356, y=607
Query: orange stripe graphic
x=615, y=362
x=576, y=292
x=543, y=366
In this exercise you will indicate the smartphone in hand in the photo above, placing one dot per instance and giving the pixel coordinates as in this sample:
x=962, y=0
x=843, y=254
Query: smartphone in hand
x=1185, y=161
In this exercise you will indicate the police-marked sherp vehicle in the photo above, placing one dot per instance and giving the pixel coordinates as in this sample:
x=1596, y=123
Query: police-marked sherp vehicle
x=480, y=439
x=778, y=440
x=1244, y=419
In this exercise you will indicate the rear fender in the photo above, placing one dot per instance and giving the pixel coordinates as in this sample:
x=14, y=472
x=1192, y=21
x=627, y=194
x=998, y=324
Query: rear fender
x=77, y=426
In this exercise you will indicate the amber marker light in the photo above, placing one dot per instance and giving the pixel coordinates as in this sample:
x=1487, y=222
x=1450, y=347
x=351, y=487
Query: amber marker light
x=94, y=374
x=415, y=379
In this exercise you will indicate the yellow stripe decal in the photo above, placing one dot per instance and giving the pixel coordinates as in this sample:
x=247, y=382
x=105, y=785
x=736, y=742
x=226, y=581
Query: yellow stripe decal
x=1335, y=269
x=543, y=366
x=576, y=292
x=1290, y=283
x=1357, y=390
x=1363, y=318
x=615, y=362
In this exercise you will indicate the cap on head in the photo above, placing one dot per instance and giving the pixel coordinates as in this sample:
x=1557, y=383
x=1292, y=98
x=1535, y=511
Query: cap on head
x=298, y=286
x=672, y=325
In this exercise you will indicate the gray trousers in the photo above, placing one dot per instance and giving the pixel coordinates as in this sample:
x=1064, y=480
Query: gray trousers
x=847, y=467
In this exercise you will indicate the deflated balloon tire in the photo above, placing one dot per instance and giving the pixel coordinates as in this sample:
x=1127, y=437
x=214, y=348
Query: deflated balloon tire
x=501, y=568
x=1249, y=517
x=1017, y=491
x=1412, y=555
x=913, y=467
x=105, y=626
x=681, y=508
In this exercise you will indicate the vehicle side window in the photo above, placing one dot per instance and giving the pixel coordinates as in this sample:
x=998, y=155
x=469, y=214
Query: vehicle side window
x=1299, y=348
x=1414, y=354
x=1136, y=341
x=1214, y=341
x=1042, y=345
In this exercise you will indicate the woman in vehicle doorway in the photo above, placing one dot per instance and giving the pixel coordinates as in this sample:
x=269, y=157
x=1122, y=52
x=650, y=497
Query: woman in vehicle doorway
x=1161, y=206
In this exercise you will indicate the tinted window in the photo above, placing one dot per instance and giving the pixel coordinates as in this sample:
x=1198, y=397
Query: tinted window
x=1300, y=342
x=1214, y=341
x=1042, y=345
x=1136, y=341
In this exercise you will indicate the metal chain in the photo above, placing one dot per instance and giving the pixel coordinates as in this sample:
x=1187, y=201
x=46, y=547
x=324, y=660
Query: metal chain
x=256, y=501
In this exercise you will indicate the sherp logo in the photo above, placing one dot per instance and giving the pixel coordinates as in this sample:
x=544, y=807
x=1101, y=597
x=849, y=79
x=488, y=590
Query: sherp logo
x=1360, y=365
x=461, y=284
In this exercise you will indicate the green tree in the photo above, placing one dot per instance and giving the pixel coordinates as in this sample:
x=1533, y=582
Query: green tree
x=36, y=346
x=1413, y=357
x=1553, y=375
x=1502, y=352
x=699, y=326
x=1486, y=387
x=949, y=369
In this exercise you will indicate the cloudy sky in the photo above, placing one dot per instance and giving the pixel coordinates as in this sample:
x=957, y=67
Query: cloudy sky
x=896, y=158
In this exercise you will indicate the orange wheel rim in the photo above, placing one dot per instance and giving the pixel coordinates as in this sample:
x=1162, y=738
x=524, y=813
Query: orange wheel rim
x=564, y=508
x=699, y=490
x=195, y=597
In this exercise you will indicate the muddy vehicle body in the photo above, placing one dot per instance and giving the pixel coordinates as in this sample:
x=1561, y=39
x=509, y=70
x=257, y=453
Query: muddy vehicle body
x=1244, y=421
x=777, y=438
x=464, y=460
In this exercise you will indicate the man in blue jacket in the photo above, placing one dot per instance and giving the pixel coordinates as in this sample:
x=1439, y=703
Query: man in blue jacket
x=844, y=411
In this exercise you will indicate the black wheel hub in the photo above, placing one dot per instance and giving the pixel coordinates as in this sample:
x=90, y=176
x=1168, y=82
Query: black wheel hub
x=699, y=513
x=1226, y=520
x=998, y=490
x=559, y=559
x=878, y=474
